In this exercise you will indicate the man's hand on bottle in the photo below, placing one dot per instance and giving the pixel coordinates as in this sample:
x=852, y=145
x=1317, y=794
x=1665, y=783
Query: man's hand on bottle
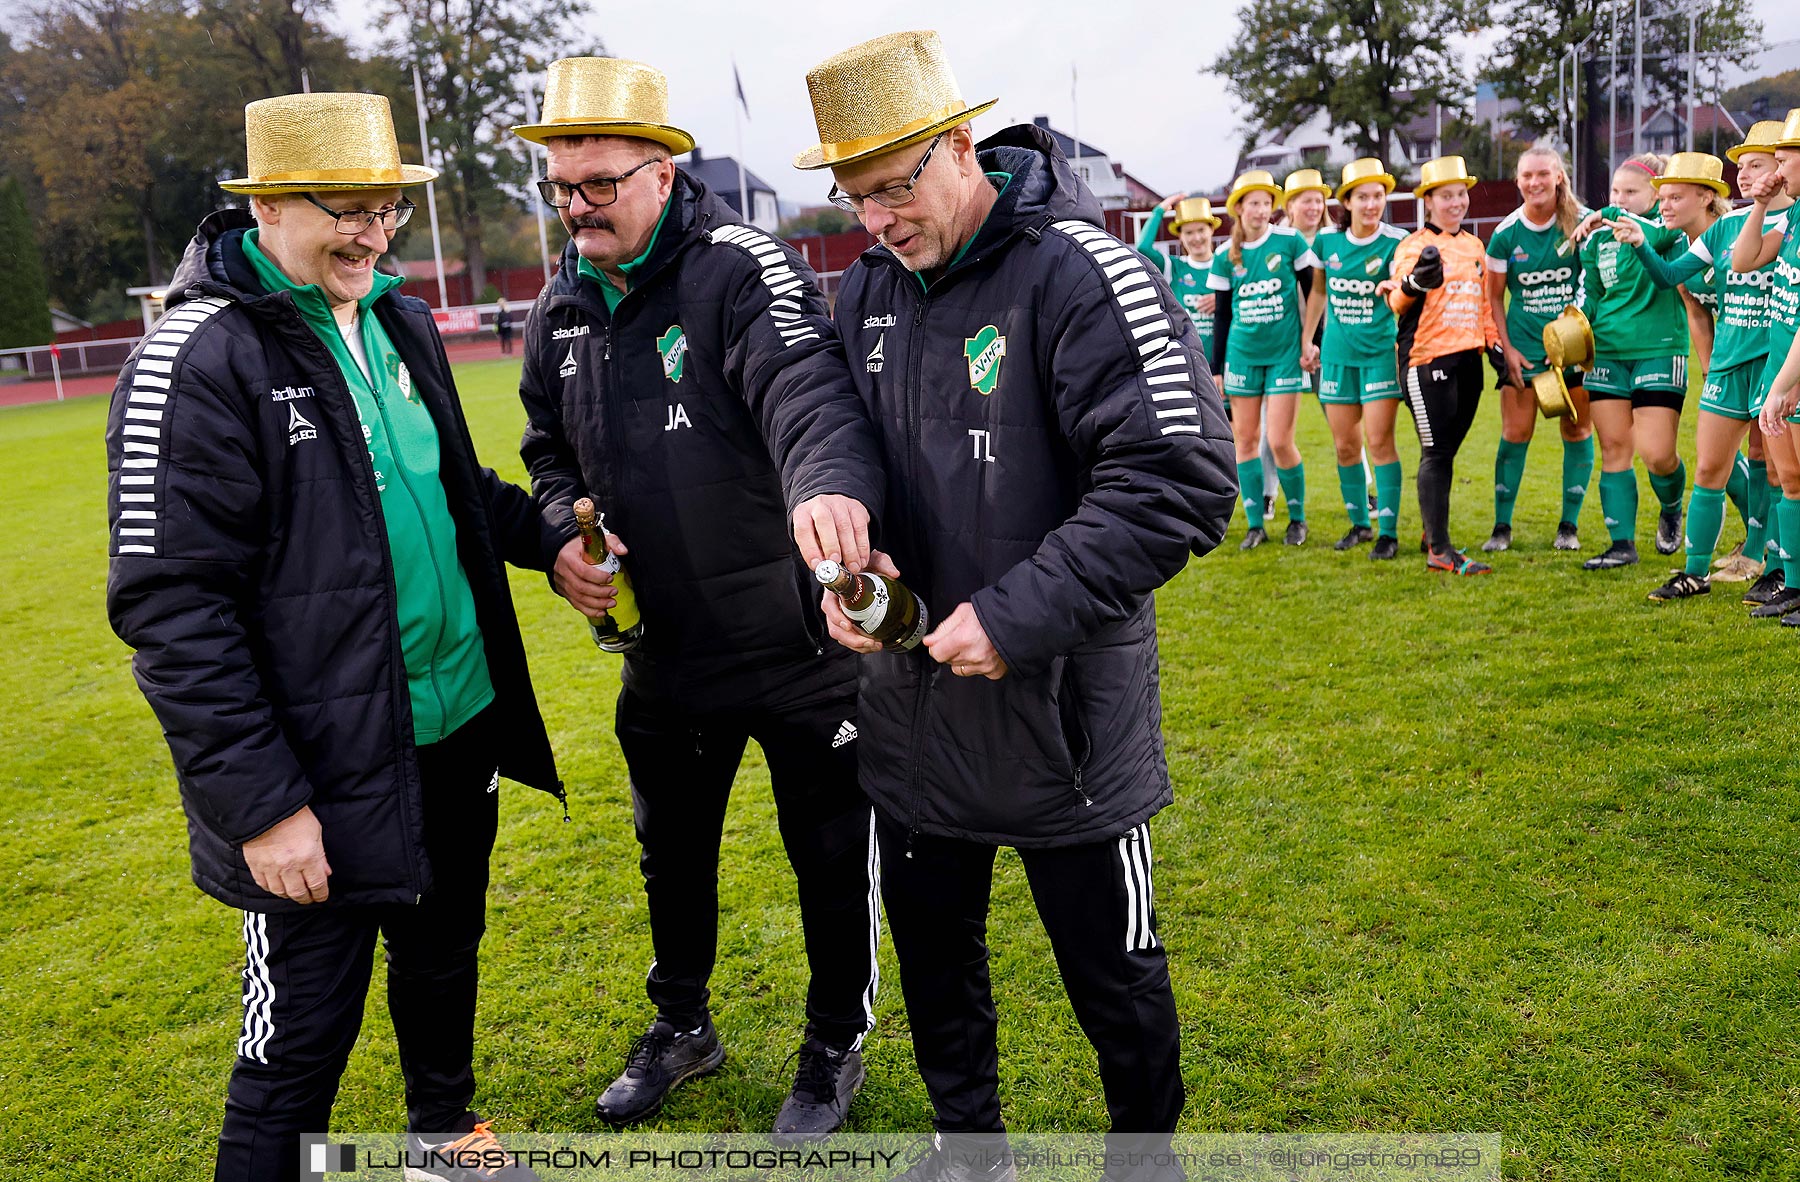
x=288, y=859
x=586, y=586
x=842, y=628
x=835, y=527
x=962, y=643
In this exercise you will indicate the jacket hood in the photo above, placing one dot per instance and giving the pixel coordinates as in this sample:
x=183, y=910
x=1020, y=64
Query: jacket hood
x=208, y=267
x=695, y=210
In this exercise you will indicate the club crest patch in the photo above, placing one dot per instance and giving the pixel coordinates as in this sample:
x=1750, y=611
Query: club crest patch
x=984, y=351
x=672, y=345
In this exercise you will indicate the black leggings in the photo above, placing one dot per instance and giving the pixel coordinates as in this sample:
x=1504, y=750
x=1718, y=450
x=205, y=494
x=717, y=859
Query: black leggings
x=1443, y=395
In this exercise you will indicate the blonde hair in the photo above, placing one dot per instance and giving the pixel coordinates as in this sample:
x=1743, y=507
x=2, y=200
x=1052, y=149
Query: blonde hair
x=1236, y=250
x=1650, y=162
x=1568, y=210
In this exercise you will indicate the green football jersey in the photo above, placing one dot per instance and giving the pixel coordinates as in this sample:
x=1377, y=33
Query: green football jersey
x=1187, y=279
x=1359, y=325
x=1265, y=296
x=1738, y=301
x=1784, y=298
x=1633, y=318
x=1543, y=276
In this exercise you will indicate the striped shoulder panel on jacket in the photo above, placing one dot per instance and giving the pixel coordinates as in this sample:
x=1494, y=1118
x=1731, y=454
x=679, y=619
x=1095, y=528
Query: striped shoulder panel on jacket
x=783, y=282
x=144, y=434
x=1162, y=361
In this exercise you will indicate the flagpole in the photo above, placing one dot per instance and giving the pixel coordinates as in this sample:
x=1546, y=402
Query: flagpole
x=1075, y=102
x=737, y=118
x=531, y=116
x=437, y=245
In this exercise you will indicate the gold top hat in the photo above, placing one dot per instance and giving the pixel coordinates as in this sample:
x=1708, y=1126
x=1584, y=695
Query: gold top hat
x=1193, y=209
x=1694, y=168
x=1361, y=172
x=1303, y=180
x=1257, y=180
x=1445, y=170
x=1762, y=137
x=1557, y=399
x=1790, y=130
x=304, y=143
x=606, y=96
x=1569, y=341
x=883, y=95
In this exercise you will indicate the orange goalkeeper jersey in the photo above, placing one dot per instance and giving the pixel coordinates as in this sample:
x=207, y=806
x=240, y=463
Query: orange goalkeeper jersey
x=1454, y=317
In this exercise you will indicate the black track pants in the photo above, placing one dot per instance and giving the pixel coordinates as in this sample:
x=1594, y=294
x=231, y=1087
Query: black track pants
x=1443, y=396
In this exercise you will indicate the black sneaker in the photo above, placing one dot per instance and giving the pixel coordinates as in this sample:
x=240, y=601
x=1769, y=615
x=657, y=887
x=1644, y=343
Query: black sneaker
x=1386, y=546
x=1500, y=539
x=825, y=1082
x=1357, y=536
x=1780, y=604
x=1268, y=507
x=660, y=1059
x=1296, y=534
x=1253, y=538
x=1765, y=588
x=1566, y=538
x=1668, y=531
x=1616, y=555
x=474, y=1156
x=964, y=1157
x=1681, y=585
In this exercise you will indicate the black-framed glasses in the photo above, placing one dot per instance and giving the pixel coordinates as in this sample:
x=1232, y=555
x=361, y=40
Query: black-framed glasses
x=355, y=221
x=888, y=198
x=596, y=191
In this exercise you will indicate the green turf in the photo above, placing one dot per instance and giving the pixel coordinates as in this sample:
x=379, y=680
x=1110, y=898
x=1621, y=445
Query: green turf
x=1513, y=854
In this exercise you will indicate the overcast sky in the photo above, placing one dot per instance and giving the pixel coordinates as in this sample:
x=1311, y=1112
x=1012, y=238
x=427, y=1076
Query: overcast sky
x=1143, y=98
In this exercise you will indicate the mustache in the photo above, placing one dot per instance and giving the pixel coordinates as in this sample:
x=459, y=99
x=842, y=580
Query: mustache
x=591, y=221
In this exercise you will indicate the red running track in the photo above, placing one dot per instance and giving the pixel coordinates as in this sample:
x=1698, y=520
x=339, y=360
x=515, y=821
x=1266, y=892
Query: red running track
x=22, y=393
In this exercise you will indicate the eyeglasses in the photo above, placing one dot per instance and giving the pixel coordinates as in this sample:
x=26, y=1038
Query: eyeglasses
x=355, y=221
x=890, y=197
x=596, y=191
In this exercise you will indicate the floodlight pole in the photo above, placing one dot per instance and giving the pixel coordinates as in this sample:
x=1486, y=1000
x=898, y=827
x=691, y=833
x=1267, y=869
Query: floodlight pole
x=437, y=245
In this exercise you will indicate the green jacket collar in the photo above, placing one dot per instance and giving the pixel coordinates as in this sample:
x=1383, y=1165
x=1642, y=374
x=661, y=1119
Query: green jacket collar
x=612, y=293
x=308, y=297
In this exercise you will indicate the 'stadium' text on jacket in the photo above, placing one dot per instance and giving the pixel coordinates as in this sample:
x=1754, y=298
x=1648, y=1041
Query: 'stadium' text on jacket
x=250, y=570
x=711, y=401
x=1055, y=450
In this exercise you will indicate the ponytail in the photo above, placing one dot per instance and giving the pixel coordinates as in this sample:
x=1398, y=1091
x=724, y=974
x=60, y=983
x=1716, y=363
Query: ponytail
x=1236, y=250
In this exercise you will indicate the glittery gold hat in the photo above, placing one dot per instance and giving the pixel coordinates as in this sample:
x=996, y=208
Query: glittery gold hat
x=1694, y=168
x=1790, y=130
x=1257, y=180
x=1762, y=137
x=1569, y=341
x=1193, y=209
x=306, y=143
x=882, y=95
x=1304, y=180
x=1445, y=170
x=606, y=96
x=1361, y=172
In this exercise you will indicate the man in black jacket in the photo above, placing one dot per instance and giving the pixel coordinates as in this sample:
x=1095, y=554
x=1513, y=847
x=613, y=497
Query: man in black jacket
x=680, y=369
x=1055, y=450
x=308, y=561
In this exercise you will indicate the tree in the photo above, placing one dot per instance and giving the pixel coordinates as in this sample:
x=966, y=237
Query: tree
x=1371, y=65
x=1766, y=98
x=1540, y=33
x=24, y=299
x=470, y=55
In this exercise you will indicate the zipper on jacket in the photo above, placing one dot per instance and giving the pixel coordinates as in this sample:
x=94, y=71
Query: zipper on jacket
x=922, y=700
x=396, y=659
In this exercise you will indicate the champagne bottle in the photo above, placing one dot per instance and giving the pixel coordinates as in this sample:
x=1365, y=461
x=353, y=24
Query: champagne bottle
x=621, y=629
x=880, y=607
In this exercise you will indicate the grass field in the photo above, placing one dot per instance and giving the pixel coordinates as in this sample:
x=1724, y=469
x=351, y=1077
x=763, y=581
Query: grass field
x=1513, y=854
